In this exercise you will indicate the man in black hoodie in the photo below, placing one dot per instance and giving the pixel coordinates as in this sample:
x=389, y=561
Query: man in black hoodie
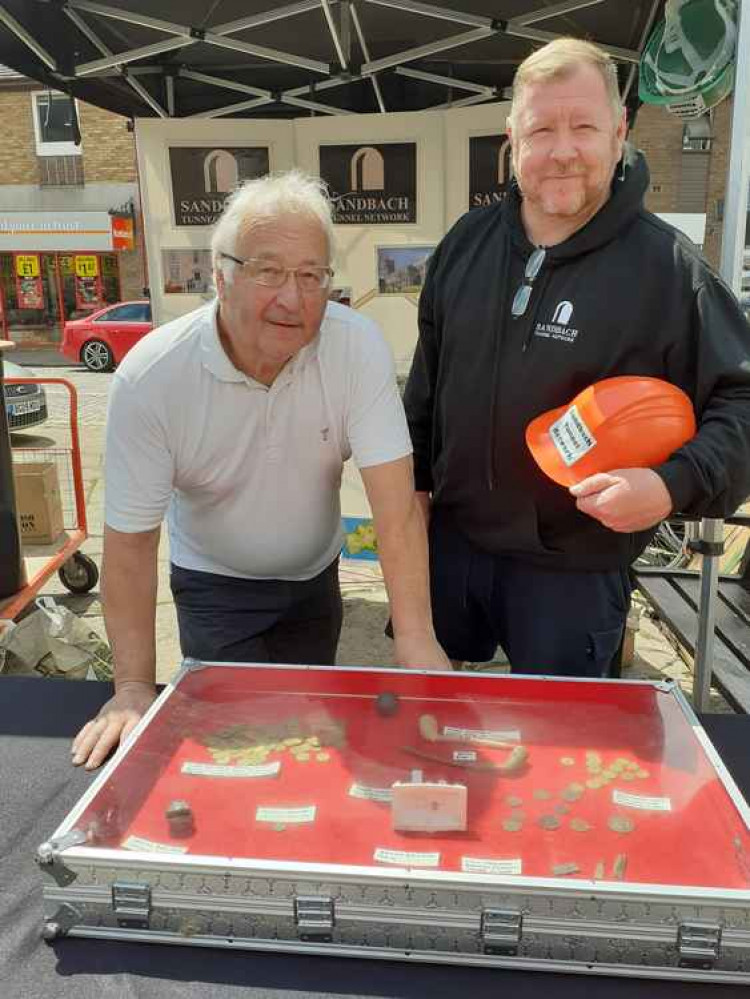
x=567, y=282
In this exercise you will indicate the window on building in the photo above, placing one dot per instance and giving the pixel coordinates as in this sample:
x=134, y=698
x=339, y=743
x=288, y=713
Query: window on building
x=54, y=127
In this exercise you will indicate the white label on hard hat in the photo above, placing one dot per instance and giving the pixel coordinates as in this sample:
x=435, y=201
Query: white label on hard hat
x=571, y=437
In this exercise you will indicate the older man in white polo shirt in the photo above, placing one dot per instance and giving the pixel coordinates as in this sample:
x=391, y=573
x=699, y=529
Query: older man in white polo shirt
x=234, y=422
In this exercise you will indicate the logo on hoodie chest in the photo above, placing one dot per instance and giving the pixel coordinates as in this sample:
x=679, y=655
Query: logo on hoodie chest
x=559, y=327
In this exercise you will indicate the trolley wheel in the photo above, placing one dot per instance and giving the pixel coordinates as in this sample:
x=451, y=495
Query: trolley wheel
x=97, y=356
x=79, y=574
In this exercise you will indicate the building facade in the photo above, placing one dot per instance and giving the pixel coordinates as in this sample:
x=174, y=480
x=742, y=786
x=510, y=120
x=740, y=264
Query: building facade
x=69, y=211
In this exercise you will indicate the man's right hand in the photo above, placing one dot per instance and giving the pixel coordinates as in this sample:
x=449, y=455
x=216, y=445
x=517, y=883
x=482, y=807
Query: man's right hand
x=116, y=720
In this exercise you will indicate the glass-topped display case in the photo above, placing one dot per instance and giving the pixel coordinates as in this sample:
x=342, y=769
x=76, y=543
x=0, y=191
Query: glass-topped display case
x=524, y=821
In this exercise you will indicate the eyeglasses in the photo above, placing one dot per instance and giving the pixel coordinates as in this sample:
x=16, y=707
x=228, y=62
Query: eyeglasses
x=270, y=275
x=522, y=296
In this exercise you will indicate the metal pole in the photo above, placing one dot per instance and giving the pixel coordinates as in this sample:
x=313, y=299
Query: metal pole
x=732, y=247
x=738, y=175
x=11, y=559
x=712, y=533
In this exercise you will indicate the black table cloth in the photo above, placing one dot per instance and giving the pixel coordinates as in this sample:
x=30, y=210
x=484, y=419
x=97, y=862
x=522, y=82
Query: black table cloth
x=38, y=787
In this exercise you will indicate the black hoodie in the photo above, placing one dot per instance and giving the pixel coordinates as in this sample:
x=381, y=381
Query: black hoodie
x=625, y=295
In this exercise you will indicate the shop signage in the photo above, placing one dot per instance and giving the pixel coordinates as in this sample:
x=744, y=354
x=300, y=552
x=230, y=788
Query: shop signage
x=44, y=232
x=371, y=184
x=87, y=265
x=88, y=285
x=204, y=176
x=122, y=232
x=29, y=290
x=490, y=169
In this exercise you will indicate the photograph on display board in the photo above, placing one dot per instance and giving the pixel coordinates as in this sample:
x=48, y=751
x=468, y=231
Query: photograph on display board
x=341, y=295
x=402, y=269
x=371, y=184
x=490, y=169
x=187, y=272
x=204, y=176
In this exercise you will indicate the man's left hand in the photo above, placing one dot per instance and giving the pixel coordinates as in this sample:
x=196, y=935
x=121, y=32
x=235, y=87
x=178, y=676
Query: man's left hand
x=625, y=500
x=420, y=652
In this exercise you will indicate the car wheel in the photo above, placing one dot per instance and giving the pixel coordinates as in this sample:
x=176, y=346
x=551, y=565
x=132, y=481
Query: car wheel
x=97, y=356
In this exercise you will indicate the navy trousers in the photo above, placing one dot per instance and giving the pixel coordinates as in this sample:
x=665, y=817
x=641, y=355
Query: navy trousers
x=560, y=623
x=227, y=619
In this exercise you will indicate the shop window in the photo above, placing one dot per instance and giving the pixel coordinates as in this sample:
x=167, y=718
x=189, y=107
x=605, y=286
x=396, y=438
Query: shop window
x=54, y=124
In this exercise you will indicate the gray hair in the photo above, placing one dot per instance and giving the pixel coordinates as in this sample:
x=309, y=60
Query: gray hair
x=559, y=59
x=266, y=199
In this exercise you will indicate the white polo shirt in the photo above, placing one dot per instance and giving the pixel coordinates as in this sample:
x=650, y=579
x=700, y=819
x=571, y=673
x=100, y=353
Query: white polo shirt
x=248, y=475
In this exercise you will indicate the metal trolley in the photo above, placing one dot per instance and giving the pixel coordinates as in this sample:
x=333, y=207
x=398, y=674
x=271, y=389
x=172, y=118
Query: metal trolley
x=77, y=572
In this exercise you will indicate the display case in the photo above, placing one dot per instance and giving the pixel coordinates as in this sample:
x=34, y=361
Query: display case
x=530, y=822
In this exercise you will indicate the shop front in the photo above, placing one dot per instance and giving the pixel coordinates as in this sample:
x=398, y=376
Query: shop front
x=55, y=267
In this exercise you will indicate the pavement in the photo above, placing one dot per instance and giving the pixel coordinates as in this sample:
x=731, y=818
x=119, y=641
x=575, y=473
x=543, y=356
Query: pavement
x=656, y=654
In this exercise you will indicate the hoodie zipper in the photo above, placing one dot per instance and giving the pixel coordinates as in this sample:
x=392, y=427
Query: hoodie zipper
x=491, y=478
x=530, y=332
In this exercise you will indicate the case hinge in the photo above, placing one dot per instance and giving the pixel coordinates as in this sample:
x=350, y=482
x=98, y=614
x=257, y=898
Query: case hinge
x=500, y=931
x=315, y=917
x=132, y=904
x=698, y=944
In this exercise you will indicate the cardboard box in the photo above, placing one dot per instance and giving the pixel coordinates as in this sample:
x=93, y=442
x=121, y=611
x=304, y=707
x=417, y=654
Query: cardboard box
x=38, y=501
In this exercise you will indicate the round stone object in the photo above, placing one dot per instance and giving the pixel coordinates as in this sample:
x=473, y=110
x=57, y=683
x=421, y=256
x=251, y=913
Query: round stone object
x=386, y=704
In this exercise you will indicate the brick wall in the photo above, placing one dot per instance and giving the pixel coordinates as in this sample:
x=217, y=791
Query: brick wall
x=108, y=146
x=18, y=163
x=659, y=135
x=132, y=278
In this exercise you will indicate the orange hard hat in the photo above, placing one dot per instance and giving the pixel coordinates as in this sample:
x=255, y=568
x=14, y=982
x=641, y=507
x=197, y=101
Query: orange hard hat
x=627, y=422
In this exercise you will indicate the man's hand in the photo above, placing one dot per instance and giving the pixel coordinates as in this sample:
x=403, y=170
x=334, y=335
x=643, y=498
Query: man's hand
x=625, y=500
x=116, y=720
x=420, y=652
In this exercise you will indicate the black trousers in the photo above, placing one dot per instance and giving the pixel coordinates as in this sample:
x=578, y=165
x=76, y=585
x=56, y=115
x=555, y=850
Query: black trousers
x=227, y=619
x=560, y=623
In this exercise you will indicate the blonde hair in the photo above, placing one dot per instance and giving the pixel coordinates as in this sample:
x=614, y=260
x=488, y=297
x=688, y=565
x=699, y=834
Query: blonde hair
x=266, y=199
x=561, y=58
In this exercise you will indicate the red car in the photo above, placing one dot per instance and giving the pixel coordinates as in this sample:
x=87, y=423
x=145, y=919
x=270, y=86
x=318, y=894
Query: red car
x=104, y=337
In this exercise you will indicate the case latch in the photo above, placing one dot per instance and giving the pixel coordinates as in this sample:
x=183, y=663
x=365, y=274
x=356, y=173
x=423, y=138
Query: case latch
x=132, y=904
x=500, y=931
x=315, y=917
x=698, y=944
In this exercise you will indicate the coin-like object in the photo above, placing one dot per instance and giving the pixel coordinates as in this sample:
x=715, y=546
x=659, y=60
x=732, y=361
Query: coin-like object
x=567, y=761
x=278, y=827
x=579, y=825
x=322, y=757
x=292, y=741
x=620, y=824
x=548, y=822
x=560, y=869
x=303, y=757
x=619, y=866
x=512, y=825
x=572, y=792
x=594, y=783
x=541, y=794
x=627, y=775
x=514, y=801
